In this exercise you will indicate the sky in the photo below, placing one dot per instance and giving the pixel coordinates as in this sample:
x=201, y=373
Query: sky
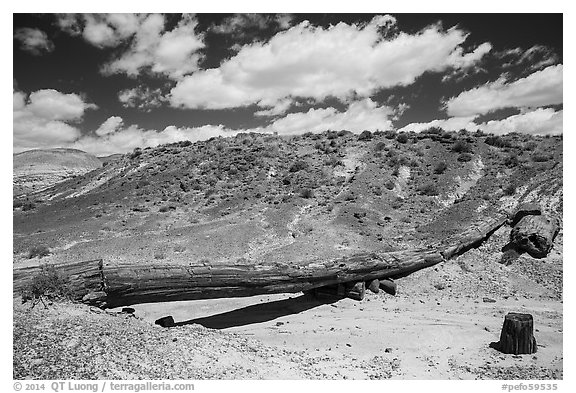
x=108, y=83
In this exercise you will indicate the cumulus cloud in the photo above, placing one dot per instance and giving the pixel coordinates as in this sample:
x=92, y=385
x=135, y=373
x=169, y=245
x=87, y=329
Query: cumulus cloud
x=149, y=46
x=33, y=41
x=42, y=119
x=341, y=61
x=451, y=124
x=111, y=124
x=540, y=88
x=541, y=121
x=240, y=24
x=360, y=116
x=173, y=53
x=141, y=97
x=125, y=139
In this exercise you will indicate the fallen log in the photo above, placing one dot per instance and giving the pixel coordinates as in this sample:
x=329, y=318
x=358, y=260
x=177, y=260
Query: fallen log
x=534, y=235
x=473, y=236
x=110, y=285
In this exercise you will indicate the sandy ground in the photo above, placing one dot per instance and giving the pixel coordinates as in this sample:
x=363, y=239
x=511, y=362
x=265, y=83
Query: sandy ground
x=384, y=336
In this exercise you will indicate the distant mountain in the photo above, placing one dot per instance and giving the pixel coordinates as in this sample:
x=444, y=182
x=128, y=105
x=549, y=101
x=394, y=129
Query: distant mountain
x=35, y=170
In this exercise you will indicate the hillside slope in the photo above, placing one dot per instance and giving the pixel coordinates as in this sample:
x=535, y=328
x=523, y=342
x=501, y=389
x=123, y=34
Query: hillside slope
x=35, y=170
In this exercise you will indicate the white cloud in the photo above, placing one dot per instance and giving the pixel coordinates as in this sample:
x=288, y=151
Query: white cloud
x=42, y=119
x=33, y=41
x=540, y=121
x=149, y=46
x=124, y=140
x=173, y=53
x=360, y=116
x=451, y=124
x=540, y=88
x=141, y=97
x=239, y=23
x=111, y=124
x=342, y=61
x=279, y=108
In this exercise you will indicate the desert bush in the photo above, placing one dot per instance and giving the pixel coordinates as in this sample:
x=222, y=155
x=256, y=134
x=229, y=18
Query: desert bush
x=440, y=168
x=136, y=153
x=509, y=190
x=48, y=283
x=536, y=157
x=365, y=136
x=465, y=157
x=380, y=146
x=298, y=166
x=462, y=147
x=402, y=138
x=494, y=140
x=511, y=161
x=307, y=193
x=38, y=251
x=28, y=206
x=389, y=184
x=434, y=130
x=429, y=189
x=343, y=133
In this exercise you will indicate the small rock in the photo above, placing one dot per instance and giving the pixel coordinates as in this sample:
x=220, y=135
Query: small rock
x=348, y=345
x=165, y=321
x=279, y=323
x=388, y=350
x=488, y=300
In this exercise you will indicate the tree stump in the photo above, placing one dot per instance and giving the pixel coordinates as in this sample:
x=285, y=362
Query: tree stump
x=535, y=235
x=516, y=336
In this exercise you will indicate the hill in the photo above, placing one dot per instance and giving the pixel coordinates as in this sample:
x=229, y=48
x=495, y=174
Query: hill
x=34, y=170
x=260, y=198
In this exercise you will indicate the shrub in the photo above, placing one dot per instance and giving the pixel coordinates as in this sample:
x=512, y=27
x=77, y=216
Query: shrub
x=136, y=153
x=494, y=140
x=402, y=138
x=389, y=184
x=306, y=193
x=536, y=157
x=380, y=146
x=428, y=189
x=465, y=157
x=38, y=251
x=365, y=136
x=509, y=190
x=511, y=161
x=440, y=168
x=48, y=283
x=434, y=130
x=28, y=206
x=462, y=147
x=298, y=166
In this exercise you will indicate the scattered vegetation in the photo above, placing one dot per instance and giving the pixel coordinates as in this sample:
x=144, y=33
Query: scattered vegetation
x=38, y=252
x=440, y=168
x=465, y=157
x=428, y=189
x=402, y=138
x=48, y=284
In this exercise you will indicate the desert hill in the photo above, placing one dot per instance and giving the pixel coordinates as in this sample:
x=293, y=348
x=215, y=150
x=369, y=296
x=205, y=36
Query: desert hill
x=35, y=170
x=281, y=200
x=259, y=197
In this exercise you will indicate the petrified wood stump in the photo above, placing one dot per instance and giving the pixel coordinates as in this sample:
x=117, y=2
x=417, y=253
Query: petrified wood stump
x=516, y=336
x=388, y=286
x=535, y=235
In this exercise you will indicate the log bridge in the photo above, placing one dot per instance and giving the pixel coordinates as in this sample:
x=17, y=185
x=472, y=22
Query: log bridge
x=109, y=285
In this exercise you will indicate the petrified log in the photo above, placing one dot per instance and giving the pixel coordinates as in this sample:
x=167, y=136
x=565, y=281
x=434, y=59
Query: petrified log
x=166, y=321
x=473, y=236
x=525, y=209
x=517, y=335
x=352, y=290
x=535, y=235
x=373, y=285
x=114, y=285
x=388, y=286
